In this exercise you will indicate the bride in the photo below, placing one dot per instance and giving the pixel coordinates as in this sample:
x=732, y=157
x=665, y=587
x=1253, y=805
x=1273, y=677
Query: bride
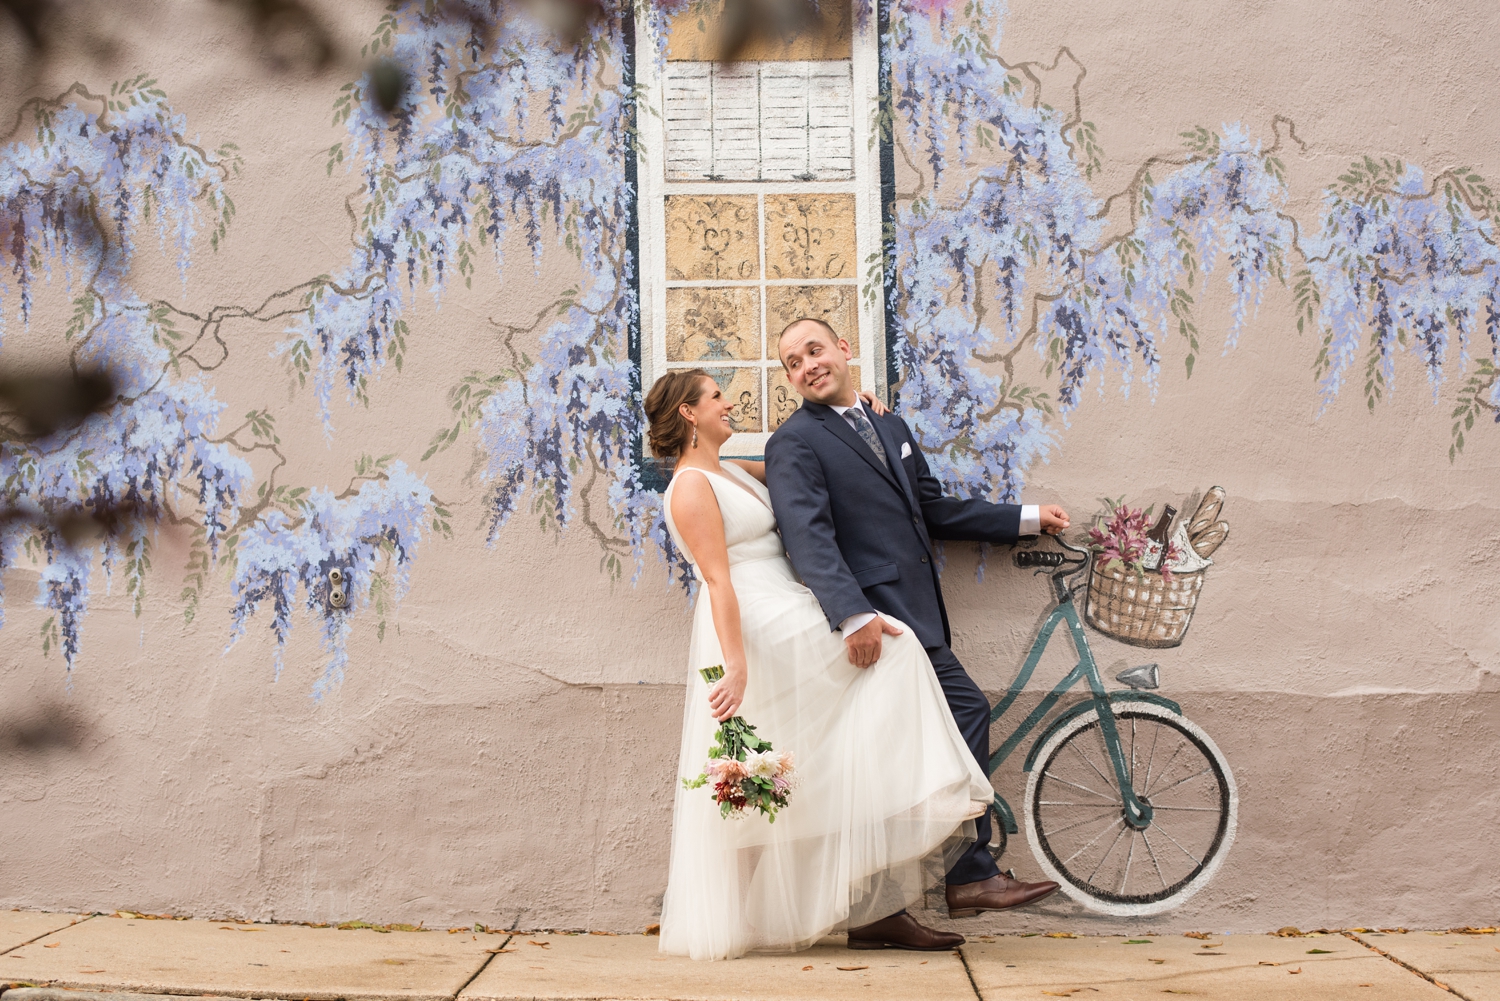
x=886, y=780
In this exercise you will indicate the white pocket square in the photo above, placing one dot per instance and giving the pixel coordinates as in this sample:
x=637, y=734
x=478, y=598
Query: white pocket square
x=905, y=449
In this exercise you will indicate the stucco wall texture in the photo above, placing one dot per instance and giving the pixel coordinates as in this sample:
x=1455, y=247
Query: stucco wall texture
x=505, y=754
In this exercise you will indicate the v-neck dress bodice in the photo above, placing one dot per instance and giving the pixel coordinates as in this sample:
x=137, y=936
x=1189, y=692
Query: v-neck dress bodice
x=744, y=505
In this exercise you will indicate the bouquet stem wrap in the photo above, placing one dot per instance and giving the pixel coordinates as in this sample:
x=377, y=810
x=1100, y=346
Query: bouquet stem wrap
x=746, y=772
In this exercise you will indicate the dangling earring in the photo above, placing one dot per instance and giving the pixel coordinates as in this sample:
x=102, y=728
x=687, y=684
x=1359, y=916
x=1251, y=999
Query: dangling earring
x=695, y=436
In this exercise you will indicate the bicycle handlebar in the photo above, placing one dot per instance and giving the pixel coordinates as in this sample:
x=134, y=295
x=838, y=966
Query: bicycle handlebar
x=1036, y=558
x=1062, y=564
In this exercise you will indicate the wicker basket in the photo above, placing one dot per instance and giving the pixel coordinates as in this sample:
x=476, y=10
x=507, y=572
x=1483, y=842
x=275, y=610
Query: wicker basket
x=1142, y=609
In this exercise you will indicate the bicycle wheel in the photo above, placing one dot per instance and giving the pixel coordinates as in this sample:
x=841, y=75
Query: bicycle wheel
x=1076, y=823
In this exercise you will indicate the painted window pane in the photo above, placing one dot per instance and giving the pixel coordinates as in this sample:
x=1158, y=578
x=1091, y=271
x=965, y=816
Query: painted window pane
x=770, y=121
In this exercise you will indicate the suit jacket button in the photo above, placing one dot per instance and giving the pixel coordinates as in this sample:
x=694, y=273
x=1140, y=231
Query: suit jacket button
x=924, y=559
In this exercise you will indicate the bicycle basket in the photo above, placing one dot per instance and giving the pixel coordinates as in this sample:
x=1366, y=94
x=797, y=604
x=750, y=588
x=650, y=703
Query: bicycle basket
x=1141, y=609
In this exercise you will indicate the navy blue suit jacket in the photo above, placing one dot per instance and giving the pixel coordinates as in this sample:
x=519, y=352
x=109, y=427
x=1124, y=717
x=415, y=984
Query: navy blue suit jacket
x=860, y=535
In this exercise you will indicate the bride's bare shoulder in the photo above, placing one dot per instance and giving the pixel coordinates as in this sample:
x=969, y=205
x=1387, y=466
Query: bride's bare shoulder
x=693, y=495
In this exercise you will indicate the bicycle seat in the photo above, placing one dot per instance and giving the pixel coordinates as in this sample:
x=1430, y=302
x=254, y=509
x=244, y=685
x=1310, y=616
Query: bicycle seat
x=1144, y=677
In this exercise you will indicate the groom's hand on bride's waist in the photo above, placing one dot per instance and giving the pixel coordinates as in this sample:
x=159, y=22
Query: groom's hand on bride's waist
x=864, y=643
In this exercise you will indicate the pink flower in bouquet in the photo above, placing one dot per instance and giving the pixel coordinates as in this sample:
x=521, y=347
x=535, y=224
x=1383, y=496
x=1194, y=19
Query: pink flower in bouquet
x=726, y=770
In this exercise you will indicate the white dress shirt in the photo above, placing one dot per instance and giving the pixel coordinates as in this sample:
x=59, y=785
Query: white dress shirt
x=1031, y=524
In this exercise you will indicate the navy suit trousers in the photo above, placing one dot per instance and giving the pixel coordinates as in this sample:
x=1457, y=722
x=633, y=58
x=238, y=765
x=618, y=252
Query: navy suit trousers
x=971, y=711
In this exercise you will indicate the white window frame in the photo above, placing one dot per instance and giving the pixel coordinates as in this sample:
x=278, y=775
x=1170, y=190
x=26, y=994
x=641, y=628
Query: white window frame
x=651, y=207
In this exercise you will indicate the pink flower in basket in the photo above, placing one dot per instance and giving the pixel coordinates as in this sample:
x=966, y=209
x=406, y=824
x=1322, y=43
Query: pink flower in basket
x=1122, y=539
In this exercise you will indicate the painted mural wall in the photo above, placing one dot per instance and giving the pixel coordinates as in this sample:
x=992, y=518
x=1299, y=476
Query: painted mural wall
x=1131, y=254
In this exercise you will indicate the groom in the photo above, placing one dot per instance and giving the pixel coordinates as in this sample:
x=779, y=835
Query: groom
x=858, y=510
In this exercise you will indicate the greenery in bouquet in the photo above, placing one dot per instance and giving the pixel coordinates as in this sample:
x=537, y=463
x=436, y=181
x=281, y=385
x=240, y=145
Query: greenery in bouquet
x=1121, y=540
x=746, y=772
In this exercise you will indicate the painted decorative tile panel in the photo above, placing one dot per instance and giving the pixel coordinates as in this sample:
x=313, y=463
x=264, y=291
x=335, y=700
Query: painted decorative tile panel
x=712, y=238
x=810, y=236
x=713, y=324
x=835, y=305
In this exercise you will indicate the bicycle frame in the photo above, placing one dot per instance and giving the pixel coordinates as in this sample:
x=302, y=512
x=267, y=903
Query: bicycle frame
x=1137, y=812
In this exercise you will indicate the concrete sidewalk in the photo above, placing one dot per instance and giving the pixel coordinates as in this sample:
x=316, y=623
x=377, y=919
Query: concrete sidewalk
x=61, y=957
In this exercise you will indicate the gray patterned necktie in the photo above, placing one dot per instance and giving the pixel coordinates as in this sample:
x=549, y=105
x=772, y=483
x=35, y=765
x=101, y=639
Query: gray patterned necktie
x=862, y=425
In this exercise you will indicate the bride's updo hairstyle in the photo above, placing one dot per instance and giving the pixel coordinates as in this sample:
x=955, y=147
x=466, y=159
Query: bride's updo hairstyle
x=670, y=431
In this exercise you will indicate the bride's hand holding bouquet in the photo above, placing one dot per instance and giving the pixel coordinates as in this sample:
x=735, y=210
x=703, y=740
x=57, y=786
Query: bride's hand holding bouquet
x=745, y=770
x=728, y=693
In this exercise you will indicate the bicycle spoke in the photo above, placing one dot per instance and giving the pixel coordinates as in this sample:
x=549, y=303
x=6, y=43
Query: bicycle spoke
x=1166, y=766
x=1090, y=806
x=1132, y=751
x=1130, y=855
x=1123, y=831
x=1191, y=809
x=1118, y=820
x=1179, y=782
x=1184, y=851
x=1155, y=735
x=1079, y=751
x=1154, y=862
x=1075, y=785
x=1091, y=820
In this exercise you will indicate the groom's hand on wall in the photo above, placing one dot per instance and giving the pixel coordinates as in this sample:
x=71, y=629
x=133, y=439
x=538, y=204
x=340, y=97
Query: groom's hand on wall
x=1054, y=518
x=864, y=642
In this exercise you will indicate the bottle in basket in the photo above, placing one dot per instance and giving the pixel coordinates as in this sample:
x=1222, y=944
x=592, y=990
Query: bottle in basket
x=1156, y=539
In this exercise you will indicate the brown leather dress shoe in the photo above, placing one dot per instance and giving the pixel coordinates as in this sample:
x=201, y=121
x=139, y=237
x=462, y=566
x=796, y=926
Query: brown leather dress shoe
x=902, y=931
x=994, y=894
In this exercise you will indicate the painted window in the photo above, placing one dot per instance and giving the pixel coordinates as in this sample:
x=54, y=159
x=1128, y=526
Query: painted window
x=759, y=204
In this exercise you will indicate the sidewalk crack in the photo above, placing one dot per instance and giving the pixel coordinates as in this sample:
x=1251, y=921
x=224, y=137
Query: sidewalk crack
x=488, y=959
x=973, y=985
x=1407, y=966
x=22, y=945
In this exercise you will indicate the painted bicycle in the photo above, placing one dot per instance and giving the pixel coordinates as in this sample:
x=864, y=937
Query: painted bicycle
x=1130, y=807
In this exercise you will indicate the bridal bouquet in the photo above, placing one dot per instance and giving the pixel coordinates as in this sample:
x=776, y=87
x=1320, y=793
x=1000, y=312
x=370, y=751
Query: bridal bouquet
x=745, y=771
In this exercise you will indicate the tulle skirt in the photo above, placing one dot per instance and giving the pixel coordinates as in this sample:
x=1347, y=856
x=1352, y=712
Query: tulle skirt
x=885, y=783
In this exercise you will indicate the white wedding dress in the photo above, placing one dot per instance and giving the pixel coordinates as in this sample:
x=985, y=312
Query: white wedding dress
x=886, y=780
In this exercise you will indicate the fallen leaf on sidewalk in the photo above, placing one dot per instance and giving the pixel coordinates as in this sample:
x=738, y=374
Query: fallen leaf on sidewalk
x=93, y=971
x=1158, y=962
x=54, y=945
x=1319, y=952
x=653, y=929
x=1297, y=970
x=1290, y=931
x=1267, y=963
x=853, y=968
x=544, y=945
x=1061, y=934
x=1169, y=990
x=1205, y=936
x=610, y=933
x=497, y=951
x=1366, y=985
x=806, y=968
